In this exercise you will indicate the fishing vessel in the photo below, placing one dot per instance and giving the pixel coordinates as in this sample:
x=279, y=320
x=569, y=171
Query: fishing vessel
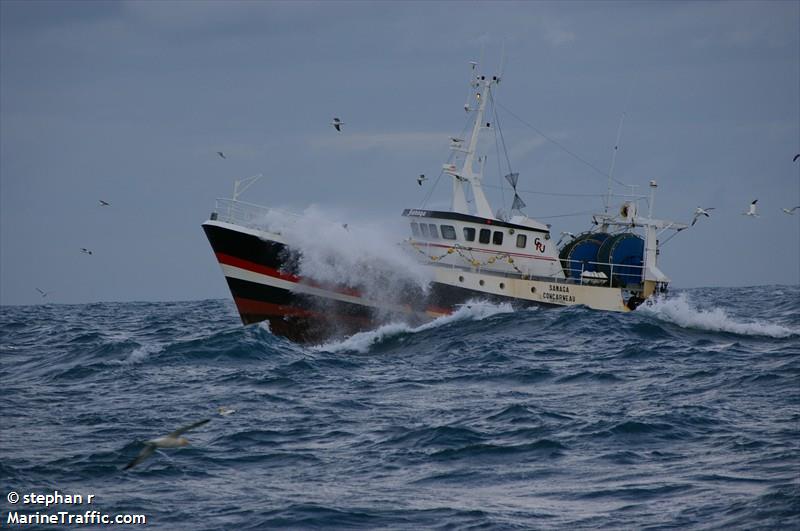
x=468, y=252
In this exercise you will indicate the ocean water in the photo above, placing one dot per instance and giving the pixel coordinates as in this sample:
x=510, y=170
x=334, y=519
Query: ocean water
x=681, y=415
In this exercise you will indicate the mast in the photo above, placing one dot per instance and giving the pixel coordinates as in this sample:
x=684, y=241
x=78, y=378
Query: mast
x=467, y=173
x=613, y=162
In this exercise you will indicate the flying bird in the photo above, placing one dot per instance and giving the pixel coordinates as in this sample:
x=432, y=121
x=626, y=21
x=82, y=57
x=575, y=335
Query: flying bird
x=421, y=179
x=104, y=203
x=790, y=211
x=43, y=293
x=84, y=250
x=221, y=154
x=796, y=157
x=563, y=235
x=173, y=440
x=699, y=211
x=337, y=124
x=752, y=210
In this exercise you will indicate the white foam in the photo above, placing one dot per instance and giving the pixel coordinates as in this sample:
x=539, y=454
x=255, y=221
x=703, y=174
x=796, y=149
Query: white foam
x=678, y=310
x=363, y=255
x=363, y=341
x=140, y=354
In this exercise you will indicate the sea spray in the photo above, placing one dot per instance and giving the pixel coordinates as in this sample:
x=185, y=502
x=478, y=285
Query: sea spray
x=363, y=256
x=679, y=310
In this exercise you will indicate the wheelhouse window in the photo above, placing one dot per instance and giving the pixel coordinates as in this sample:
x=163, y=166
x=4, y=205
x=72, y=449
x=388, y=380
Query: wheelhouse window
x=448, y=232
x=415, y=228
x=522, y=241
x=434, y=231
x=484, y=235
x=423, y=227
x=469, y=234
x=497, y=238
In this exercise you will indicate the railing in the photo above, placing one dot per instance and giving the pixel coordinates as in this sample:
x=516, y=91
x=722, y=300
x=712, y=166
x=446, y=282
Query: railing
x=246, y=214
x=574, y=271
x=603, y=274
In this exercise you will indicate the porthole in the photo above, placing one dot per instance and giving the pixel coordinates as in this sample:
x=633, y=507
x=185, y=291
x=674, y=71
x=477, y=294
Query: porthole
x=461, y=278
x=502, y=286
x=533, y=289
x=481, y=282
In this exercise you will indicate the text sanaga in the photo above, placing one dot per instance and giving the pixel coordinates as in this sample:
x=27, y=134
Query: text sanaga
x=557, y=293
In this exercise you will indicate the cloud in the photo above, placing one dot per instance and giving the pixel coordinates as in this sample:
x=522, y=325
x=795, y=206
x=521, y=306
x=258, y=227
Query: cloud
x=556, y=35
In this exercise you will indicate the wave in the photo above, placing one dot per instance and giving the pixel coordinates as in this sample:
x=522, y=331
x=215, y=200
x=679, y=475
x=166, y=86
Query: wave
x=679, y=311
x=142, y=353
x=545, y=447
x=363, y=341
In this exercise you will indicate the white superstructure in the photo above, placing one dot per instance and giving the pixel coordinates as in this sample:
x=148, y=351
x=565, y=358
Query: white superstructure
x=474, y=243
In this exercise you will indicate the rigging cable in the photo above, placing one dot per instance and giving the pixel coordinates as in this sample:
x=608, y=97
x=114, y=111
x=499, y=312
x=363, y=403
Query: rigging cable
x=564, y=148
x=613, y=161
x=560, y=194
x=499, y=167
x=661, y=244
x=499, y=129
x=567, y=215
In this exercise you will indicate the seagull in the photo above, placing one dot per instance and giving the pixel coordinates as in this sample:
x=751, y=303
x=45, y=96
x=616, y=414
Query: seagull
x=44, y=293
x=563, y=235
x=790, y=211
x=421, y=179
x=752, y=210
x=84, y=250
x=221, y=154
x=699, y=211
x=173, y=440
x=225, y=411
x=104, y=203
x=337, y=124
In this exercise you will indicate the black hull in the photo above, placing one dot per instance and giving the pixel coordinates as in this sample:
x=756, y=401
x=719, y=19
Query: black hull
x=263, y=280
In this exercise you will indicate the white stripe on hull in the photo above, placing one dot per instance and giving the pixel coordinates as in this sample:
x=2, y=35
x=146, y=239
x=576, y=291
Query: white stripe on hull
x=558, y=293
x=305, y=289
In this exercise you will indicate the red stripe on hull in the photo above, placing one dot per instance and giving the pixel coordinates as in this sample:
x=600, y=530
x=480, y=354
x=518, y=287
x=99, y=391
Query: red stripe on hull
x=275, y=273
x=254, y=267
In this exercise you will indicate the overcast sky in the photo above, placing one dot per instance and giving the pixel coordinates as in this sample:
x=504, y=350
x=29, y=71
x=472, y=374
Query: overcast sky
x=130, y=101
